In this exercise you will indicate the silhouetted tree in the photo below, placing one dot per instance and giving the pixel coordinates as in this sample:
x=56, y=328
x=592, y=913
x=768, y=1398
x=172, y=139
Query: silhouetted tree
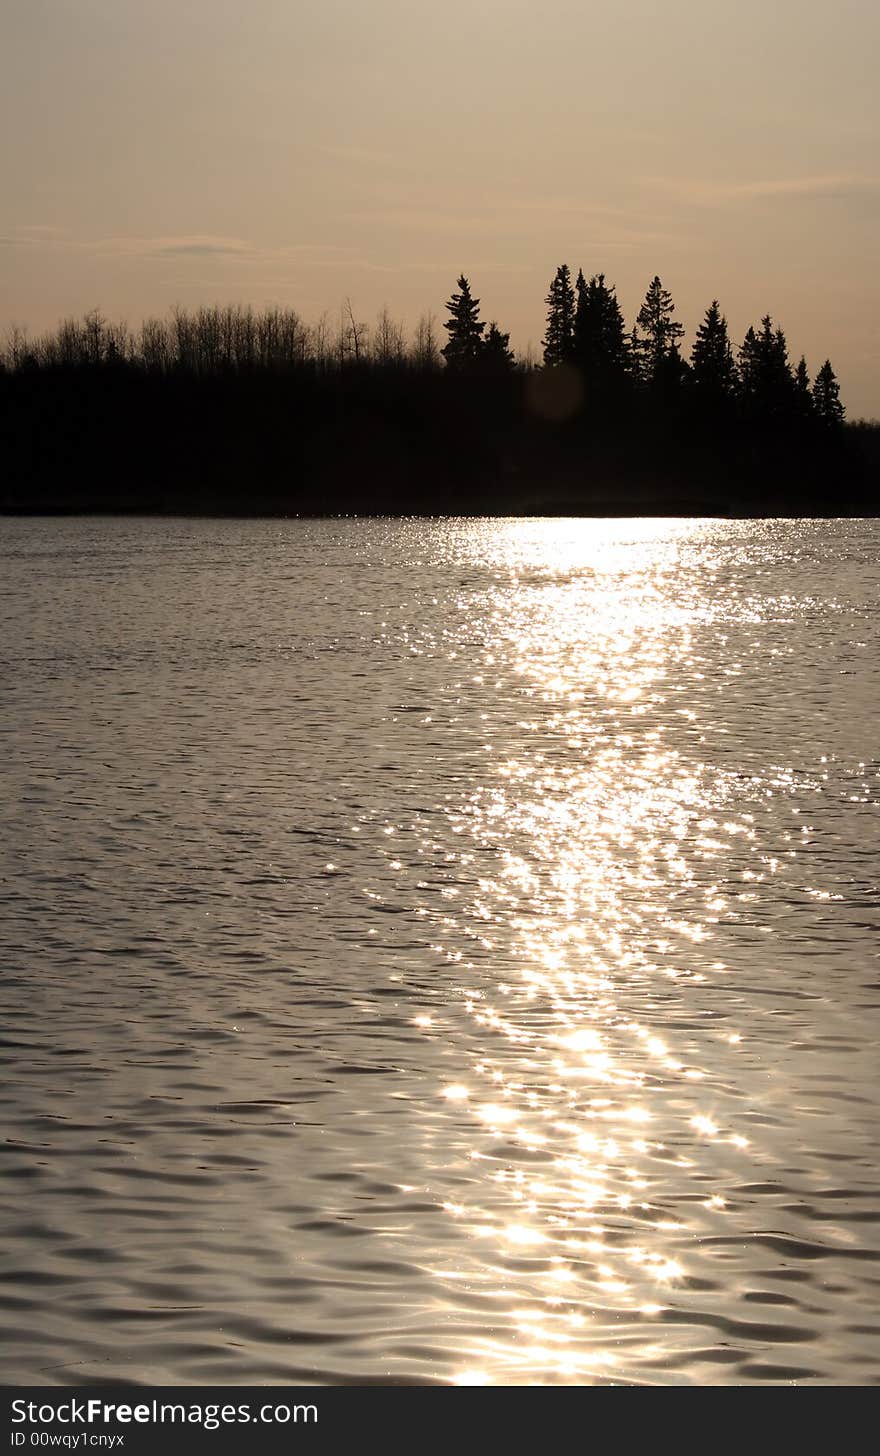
x=826, y=397
x=659, y=330
x=351, y=341
x=766, y=384
x=557, y=341
x=671, y=375
x=580, y=306
x=389, y=342
x=637, y=361
x=803, y=398
x=95, y=334
x=233, y=407
x=464, y=327
x=599, y=343
x=748, y=365
x=496, y=355
x=712, y=365
x=426, y=350
x=16, y=346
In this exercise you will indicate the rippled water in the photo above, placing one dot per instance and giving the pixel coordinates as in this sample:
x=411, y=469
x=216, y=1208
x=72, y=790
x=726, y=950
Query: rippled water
x=440, y=951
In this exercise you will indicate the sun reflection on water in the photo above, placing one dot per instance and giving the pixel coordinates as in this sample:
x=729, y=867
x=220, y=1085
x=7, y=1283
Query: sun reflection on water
x=599, y=832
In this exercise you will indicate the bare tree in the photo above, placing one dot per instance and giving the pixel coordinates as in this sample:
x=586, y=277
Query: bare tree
x=95, y=334
x=320, y=334
x=155, y=350
x=426, y=349
x=15, y=347
x=389, y=339
x=352, y=340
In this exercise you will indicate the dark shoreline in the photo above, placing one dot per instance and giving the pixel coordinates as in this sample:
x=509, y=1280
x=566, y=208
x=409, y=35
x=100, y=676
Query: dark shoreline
x=552, y=511
x=375, y=442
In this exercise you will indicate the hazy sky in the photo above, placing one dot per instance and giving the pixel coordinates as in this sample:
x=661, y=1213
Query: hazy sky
x=298, y=151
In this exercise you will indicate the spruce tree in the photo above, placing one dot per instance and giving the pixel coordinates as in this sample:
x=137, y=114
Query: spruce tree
x=464, y=327
x=776, y=379
x=560, y=318
x=496, y=355
x=581, y=310
x=826, y=397
x=713, y=369
x=670, y=378
x=803, y=397
x=637, y=358
x=600, y=343
x=748, y=366
x=767, y=386
x=660, y=331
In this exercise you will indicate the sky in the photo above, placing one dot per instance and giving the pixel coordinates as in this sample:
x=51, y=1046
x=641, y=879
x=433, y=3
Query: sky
x=304, y=151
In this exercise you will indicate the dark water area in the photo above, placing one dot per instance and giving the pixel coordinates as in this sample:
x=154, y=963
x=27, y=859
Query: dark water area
x=440, y=951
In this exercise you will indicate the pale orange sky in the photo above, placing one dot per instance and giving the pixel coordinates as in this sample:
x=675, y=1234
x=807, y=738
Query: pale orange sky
x=299, y=151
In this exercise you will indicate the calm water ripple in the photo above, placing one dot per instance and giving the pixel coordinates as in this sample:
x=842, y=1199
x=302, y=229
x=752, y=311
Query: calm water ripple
x=440, y=951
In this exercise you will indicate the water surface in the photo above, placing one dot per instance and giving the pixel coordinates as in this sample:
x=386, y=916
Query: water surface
x=440, y=951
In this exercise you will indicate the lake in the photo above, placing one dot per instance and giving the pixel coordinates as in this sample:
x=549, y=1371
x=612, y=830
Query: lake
x=440, y=951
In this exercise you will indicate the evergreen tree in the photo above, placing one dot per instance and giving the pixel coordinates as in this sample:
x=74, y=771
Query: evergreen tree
x=659, y=328
x=783, y=378
x=748, y=366
x=637, y=358
x=670, y=378
x=767, y=387
x=826, y=397
x=802, y=396
x=557, y=341
x=714, y=372
x=465, y=329
x=581, y=307
x=496, y=355
x=600, y=344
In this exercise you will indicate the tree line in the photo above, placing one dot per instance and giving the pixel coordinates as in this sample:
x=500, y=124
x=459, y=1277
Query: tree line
x=585, y=331
x=217, y=339
x=584, y=328
x=231, y=408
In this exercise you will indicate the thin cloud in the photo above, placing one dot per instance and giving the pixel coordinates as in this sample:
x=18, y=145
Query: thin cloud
x=34, y=235
x=201, y=250
x=196, y=245
x=711, y=193
x=210, y=246
x=622, y=227
x=281, y=259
